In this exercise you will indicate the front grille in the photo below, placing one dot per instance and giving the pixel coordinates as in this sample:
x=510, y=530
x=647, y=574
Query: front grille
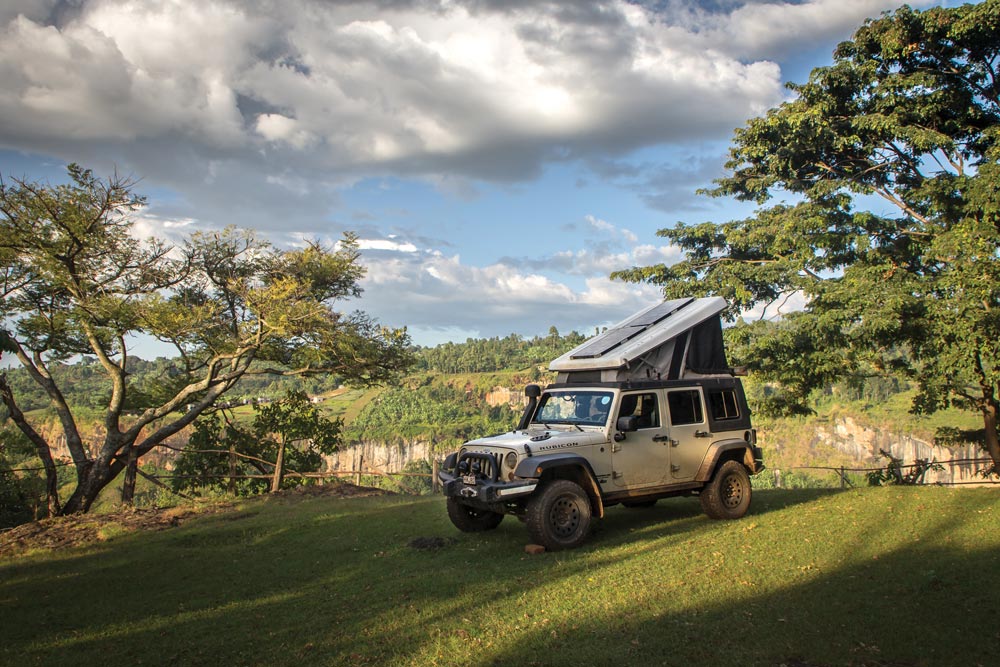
x=483, y=464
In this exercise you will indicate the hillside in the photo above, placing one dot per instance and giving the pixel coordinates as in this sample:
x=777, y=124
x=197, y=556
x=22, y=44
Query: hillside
x=875, y=577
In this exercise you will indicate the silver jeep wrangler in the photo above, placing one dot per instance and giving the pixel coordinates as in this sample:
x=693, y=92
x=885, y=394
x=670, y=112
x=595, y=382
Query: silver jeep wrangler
x=645, y=410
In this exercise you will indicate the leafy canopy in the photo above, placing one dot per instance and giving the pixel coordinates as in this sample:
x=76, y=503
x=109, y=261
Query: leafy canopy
x=879, y=186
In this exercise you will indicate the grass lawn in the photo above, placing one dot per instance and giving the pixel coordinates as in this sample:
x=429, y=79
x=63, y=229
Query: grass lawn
x=881, y=577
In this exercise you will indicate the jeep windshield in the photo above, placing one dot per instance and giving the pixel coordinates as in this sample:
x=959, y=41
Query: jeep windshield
x=573, y=408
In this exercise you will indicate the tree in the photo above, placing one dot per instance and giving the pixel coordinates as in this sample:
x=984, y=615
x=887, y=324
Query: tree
x=286, y=435
x=75, y=280
x=879, y=186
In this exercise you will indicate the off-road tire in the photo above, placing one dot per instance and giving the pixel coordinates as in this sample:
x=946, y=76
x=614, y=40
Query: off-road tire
x=471, y=520
x=558, y=517
x=639, y=504
x=727, y=496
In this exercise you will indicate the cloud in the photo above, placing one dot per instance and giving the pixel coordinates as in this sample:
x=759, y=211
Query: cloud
x=775, y=29
x=436, y=294
x=229, y=101
x=606, y=248
x=488, y=90
x=385, y=244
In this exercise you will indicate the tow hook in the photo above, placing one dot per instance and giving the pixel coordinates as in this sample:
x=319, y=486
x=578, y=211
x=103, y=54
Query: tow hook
x=467, y=492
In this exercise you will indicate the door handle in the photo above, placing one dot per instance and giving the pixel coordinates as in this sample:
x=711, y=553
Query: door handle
x=702, y=434
x=661, y=438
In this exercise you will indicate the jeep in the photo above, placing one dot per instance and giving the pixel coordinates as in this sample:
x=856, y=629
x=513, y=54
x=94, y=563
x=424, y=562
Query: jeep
x=645, y=410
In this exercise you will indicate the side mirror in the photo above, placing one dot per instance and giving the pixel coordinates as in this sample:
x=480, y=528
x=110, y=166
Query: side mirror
x=626, y=424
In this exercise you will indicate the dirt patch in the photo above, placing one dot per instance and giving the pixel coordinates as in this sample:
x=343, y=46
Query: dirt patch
x=71, y=531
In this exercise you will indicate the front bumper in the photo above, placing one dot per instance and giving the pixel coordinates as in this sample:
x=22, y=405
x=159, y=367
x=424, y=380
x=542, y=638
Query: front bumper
x=484, y=491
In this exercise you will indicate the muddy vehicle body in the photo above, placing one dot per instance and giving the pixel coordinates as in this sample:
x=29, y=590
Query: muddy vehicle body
x=643, y=411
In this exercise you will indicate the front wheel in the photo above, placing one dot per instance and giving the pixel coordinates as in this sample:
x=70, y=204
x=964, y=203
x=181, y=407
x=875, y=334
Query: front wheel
x=471, y=520
x=727, y=496
x=559, y=516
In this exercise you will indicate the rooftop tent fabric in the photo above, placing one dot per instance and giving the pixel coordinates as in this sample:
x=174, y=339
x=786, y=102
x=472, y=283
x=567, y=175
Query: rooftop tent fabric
x=706, y=353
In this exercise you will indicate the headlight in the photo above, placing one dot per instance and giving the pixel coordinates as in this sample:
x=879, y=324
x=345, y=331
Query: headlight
x=510, y=459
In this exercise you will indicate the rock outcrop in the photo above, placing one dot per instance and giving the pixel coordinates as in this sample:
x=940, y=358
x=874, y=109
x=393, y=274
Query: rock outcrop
x=862, y=443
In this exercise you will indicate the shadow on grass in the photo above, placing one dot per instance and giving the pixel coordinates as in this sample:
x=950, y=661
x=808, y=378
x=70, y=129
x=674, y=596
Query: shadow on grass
x=933, y=613
x=334, y=582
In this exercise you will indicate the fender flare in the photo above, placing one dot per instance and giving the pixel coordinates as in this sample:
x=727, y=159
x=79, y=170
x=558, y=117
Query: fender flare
x=535, y=467
x=716, y=452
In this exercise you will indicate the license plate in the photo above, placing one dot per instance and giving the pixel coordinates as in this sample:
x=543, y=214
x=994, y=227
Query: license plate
x=469, y=479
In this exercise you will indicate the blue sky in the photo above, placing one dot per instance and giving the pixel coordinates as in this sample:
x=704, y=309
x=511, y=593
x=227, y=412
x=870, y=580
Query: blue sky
x=497, y=159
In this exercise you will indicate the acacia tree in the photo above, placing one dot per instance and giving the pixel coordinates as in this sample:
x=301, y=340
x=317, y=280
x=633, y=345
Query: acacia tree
x=76, y=281
x=879, y=185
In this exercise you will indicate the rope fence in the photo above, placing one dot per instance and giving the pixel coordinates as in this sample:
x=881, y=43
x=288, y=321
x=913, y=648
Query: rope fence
x=922, y=466
x=842, y=472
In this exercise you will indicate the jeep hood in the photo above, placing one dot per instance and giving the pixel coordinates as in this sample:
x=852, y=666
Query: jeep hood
x=539, y=441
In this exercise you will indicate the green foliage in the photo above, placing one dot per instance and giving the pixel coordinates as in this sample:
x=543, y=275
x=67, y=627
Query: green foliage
x=487, y=355
x=404, y=484
x=17, y=489
x=220, y=448
x=795, y=479
x=885, y=168
x=438, y=411
x=22, y=482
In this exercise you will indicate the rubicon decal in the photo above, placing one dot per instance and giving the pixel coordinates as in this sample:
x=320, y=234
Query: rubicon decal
x=559, y=445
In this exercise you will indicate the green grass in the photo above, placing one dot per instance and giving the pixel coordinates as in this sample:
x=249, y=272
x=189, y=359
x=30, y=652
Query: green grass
x=890, y=576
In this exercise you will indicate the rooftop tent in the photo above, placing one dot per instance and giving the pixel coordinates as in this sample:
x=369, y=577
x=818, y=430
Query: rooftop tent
x=675, y=339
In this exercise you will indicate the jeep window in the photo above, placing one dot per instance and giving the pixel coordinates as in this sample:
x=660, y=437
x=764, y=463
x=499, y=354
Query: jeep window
x=685, y=407
x=723, y=405
x=589, y=408
x=643, y=406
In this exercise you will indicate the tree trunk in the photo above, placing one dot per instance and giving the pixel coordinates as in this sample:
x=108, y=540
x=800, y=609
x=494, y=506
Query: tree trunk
x=41, y=447
x=232, y=468
x=92, y=479
x=279, y=468
x=992, y=440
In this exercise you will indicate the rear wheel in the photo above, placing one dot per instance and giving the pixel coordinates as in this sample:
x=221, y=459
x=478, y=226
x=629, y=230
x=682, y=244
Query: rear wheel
x=727, y=496
x=559, y=516
x=471, y=520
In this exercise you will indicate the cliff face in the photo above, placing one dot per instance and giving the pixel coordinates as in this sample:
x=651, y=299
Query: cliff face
x=515, y=398
x=856, y=443
x=378, y=456
x=93, y=434
x=862, y=444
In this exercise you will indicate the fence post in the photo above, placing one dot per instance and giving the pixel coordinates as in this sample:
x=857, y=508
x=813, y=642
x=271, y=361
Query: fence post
x=777, y=478
x=357, y=473
x=435, y=485
x=843, y=478
x=128, y=486
x=232, y=469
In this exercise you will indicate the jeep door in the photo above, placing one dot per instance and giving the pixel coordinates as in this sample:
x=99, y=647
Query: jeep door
x=642, y=458
x=689, y=431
